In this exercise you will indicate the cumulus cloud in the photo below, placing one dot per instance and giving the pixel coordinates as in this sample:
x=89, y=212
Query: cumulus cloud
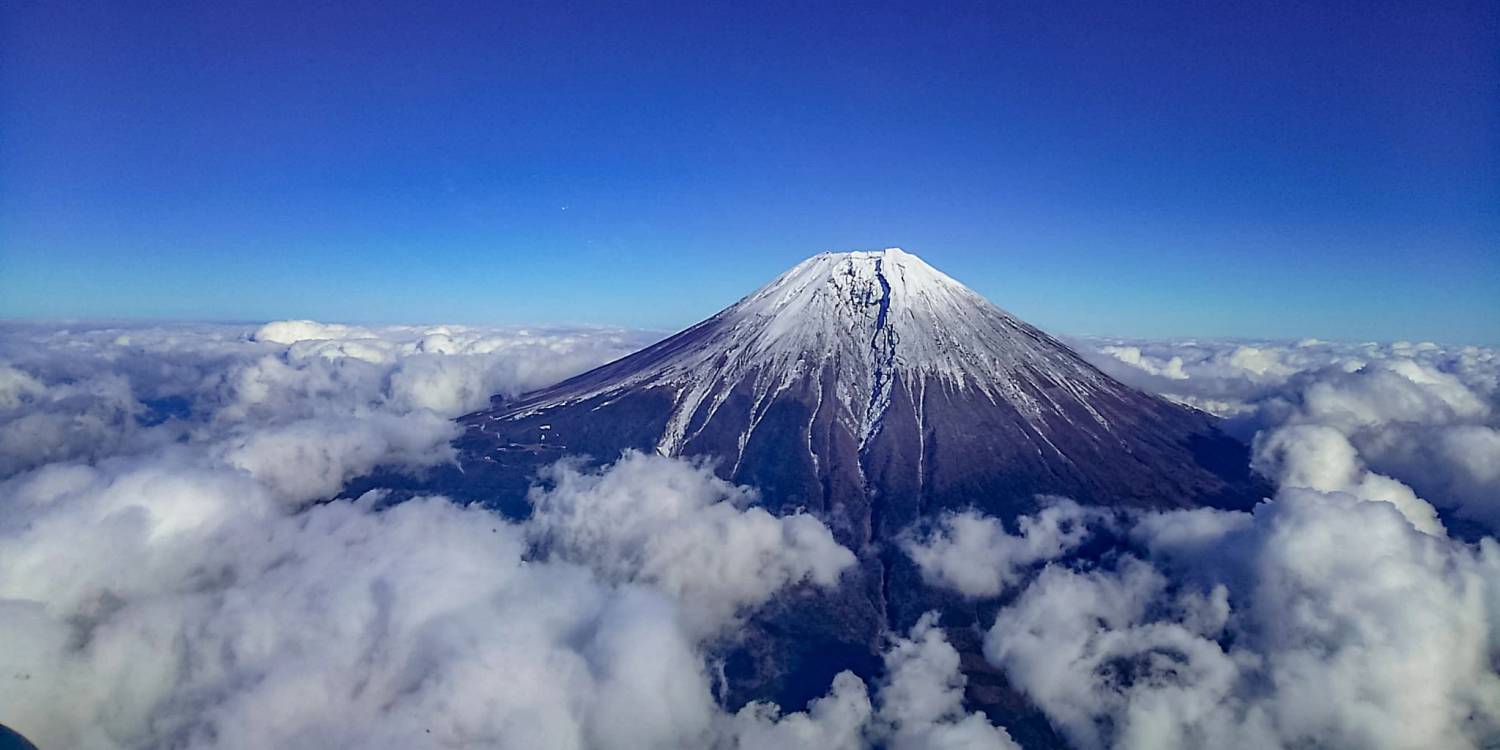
x=18, y=388
x=1228, y=378
x=150, y=603
x=1319, y=457
x=920, y=707
x=1337, y=614
x=89, y=417
x=172, y=572
x=1081, y=644
x=174, y=584
x=1399, y=390
x=677, y=526
x=836, y=721
x=1309, y=622
x=195, y=612
x=1132, y=355
x=296, y=331
x=173, y=600
x=972, y=554
x=314, y=458
x=1416, y=424
x=1456, y=465
x=1305, y=622
x=922, y=697
x=89, y=392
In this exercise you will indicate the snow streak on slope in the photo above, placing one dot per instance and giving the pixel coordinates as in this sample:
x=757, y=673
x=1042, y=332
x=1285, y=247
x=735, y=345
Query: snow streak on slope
x=872, y=321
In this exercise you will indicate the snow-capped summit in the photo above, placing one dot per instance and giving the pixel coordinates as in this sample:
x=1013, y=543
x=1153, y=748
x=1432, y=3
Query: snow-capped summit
x=874, y=391
x=865, y=322
x=872, y=373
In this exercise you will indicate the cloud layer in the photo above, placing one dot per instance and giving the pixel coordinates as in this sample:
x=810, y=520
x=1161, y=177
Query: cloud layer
x=1320, y=619
x=88, y=392
x=172, y=573
x=678, y=527
x=1340, y=613
x=1407, y=423
x=973, y=554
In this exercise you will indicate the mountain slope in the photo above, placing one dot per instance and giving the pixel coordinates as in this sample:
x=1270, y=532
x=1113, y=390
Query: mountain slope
x=875, y=391
x=869, y=372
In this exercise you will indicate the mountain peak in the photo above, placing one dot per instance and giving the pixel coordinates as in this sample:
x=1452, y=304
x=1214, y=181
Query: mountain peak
x=894, y=270
x=871, y=372
x=872, y=390
x=862, y=323
x=837, y=293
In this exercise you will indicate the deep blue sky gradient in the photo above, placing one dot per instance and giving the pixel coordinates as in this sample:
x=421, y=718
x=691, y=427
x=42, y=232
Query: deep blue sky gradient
x=1235, y=169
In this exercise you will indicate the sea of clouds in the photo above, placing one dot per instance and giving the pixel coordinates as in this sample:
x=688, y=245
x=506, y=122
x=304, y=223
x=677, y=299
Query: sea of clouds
x=172, y=573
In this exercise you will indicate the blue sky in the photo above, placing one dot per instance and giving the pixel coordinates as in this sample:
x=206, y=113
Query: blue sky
x=1165, y=169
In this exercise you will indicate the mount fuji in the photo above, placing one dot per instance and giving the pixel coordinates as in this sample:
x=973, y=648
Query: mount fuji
x=871, y=388
x=874, y=391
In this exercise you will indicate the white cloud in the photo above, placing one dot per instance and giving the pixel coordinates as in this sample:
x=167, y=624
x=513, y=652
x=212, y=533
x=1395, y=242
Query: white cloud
x=1082, y=646
x=837, y=721
x=88, y=417
x=175, y=600
x=219, y=621
x=85, y=393
x=1421, y=419
x=1398, y=390
x=18, y=388
x=919, y=706
x=295, y=331
x=1187, y=532
x=1305, y=623
x=175, y=588
x=314, y=458
x=922, y=697
x=1339, y=614
x=449, y=370
x=1318, y=457
x=1131, y=355
x=165, y=581
x=972, y=554
x=677, y=526
x=1258, y=361
x=153, y=603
